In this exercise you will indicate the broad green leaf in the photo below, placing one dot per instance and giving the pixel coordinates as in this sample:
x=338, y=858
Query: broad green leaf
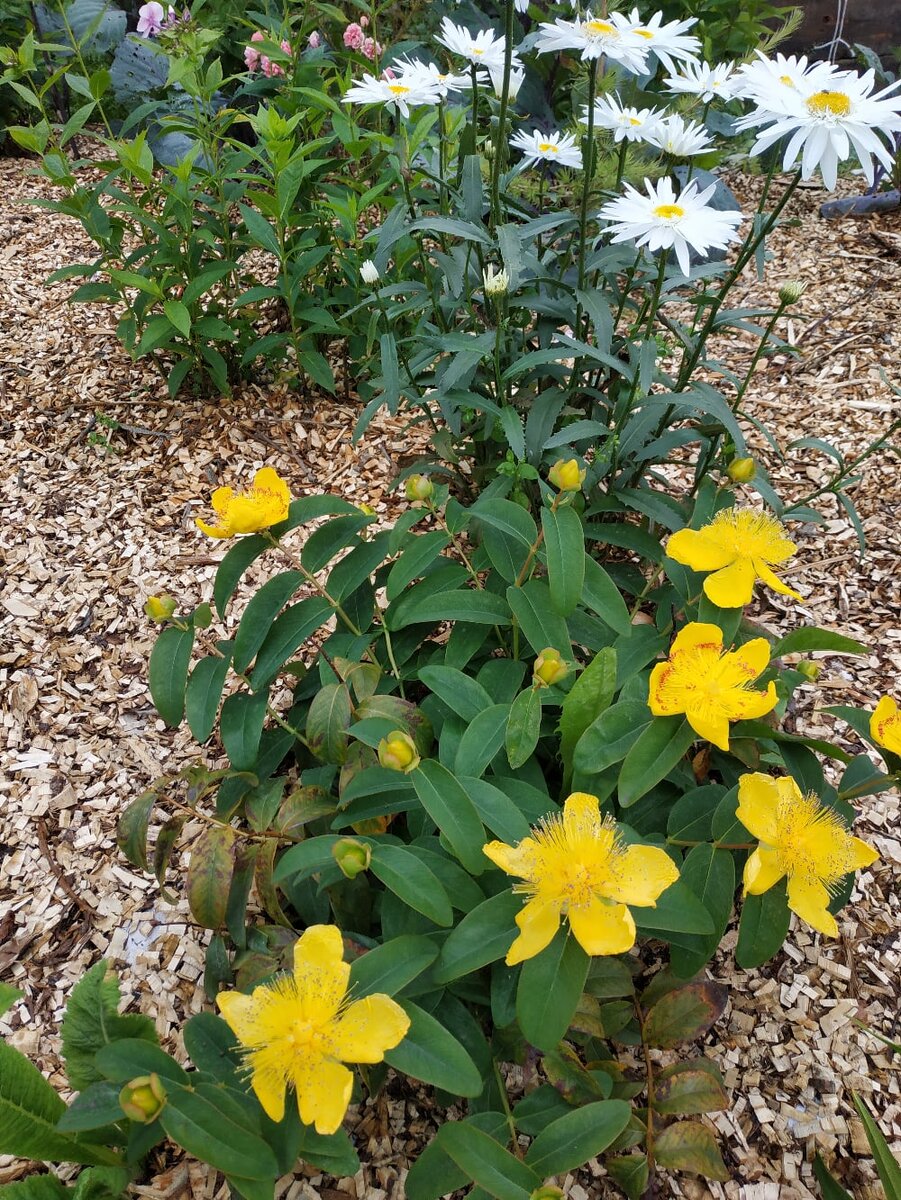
x=629, y=1172
x=241, y=727
x=602, y=596
x=809, y=638
x=498, y=812
x=462, y=604
x=168, y=672
x=569, y=1141
x=523, y=727
x=232, y=567
x=678, y=910
x=212, y=1127
x=710, y=874
x=564, y=547
x=179, y=316
x=433, y=1055
x=411, y=881
x=328, y=721
x=658, y=748
x=481, y=741
x=92, y=1020
x=306, y=858
x=213, y=1048
x=508, y=534
x=483, y=936
x=415, y=561
x=259, y=614
x=288, y=632
x=487, y=1163
x=688, y=1091
x=35, y=1187
x=550, y=986
x=388, y=968
x=434, y=1175
x=763, y=926
x=447, y=803
x=609, y=737
x=542, y=627
x=204, y=692
x=460, y=692
x=97, y=1105
x=590, y=695
x=539, y=1108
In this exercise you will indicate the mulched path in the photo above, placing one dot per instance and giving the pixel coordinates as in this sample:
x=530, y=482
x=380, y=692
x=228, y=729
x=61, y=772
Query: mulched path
x=88, y=534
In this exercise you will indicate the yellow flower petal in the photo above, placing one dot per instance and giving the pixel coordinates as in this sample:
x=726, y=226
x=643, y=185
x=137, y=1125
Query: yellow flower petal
x=323, y=1093
x=697, y=634
x=368, y=1028
x=663, y=698
x=748, y=705
x=270, y=1086
x=771, y=579
x=733, y=586
x=885, y=725
x=762, y=871
x=582, y=815
x=810, y=899
x=709, y=724
x=220, y=500
x=694, y=549
x=538, y=921
x=641, y=875
x=513, y=860
x=213, y=531
x=320, y=974
x=753, y=657
x=601, y=928
x=758, y=799
x=862, y=855
x=239, y=1013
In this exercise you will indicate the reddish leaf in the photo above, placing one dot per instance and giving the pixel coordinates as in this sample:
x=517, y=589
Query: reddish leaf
x=690, y=1146
x=684, y=1014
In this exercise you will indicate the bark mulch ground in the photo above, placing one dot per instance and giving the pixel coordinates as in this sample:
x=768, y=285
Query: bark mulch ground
x=88, y=533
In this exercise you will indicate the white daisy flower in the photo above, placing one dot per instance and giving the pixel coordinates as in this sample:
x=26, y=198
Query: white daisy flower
x=705, y=81
x=766, y=79
x=496, y=282
x=633, y=124
x=369, y=272
x=559, y=148
x=402, y=94
x=483, y=48
x=661, y=220
x=666, y=42
x=414, y=69
x=826, y=123
x=612, y=38
x=679, y=137
x=521, y=5
x=515, y=82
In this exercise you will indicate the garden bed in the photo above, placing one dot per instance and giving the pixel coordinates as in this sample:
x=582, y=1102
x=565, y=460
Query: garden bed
x=91, y=532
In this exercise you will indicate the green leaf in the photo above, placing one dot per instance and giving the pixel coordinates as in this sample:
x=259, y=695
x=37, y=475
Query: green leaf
x=523, y=727
x=9, y=995
x=602, y=596
x=213, y=1048
x=261, y=232
x=178, y=316
x=508, y=534
x=411, y=881
x=476, y=606
x=690, y=1146
x=233, y=566
x=287, y=634
x=131, y=829
x=212, y=1127
x=447, y=803
x=678, y=910
x=564, y=545
x=415, y=560
x=550, y=986
x=542, y=627
x=629, y=1172
x=92, y=1020
x=590, y=695
x=809, y=637
x=96, y=1106
x=886, y=1163
x=684, y=1014
x=830, y=1188
x=209, y=875
x=484, y=935
x=241, y=727
x=204, y=692
x=763, y=926
x=29, y=1110
x=259, y=614
x=690, y=817
x=687, y=1088
x=481, y=741
x=710, y=874
x=487, y=1163
x=539, y=1108
x=651, y=757
x=499, y=813
x=460, y=692
x=609, y=737
x=328, y=721
x=35, y=1187
x=571, y=1140
x=390, y=967
x=433, y=1055
x=168, y=672
x=434, y=1175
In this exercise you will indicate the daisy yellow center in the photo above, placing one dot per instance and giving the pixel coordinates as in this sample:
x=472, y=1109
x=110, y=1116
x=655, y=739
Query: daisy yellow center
x=594, y=29
x=548, y=148
x=477, y=51
x=829, y=104
x=669, y=212
x=634, y=121
x=787, y=80
x=645, y=33
x=813, y=841
x=398, y=89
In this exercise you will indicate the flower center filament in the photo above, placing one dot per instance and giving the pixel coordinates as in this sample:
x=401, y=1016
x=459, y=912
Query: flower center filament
x=669, y=212
x=829, y=104
x=398, y=89
x=548, y=148
x=814, y=843
x=599, y=29
x=645, y=33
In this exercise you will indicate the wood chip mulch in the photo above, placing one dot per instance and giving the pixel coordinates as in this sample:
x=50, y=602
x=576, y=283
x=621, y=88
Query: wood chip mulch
x=88, y=534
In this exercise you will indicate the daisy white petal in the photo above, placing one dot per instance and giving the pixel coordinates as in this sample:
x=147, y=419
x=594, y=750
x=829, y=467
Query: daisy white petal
x=393, y=93
x=631, y=124
x=559, y=148
x=483, y=49
x=666, y=42
x=679, y=137
x=704, y=81
x=595, y=37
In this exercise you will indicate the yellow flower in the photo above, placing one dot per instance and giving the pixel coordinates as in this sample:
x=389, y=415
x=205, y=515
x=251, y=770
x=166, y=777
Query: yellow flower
x=248, y=512
x=801, y=838
x=299, y=1031
x=567, y=475
x=143, y=1099
x=398, y=752
x=574, y=865
x=741, y=470
x=885, y=725
x=549, y=668
x=160, y=608
x=709, y=685
x=739, y=546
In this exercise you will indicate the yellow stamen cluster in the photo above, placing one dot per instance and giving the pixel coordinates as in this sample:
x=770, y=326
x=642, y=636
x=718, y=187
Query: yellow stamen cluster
x=829, y=104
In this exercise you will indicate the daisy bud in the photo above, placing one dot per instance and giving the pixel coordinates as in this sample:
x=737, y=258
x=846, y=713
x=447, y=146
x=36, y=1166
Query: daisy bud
x=369, y=272
x=741, y=470
x=398, y=752
x=497, y=283
x=351, y=856
x=792, y=291
x=809, y=669
x=142, y=1100
x=567, y=475
x=159, y=608
x=549, y=668
x=419, y=487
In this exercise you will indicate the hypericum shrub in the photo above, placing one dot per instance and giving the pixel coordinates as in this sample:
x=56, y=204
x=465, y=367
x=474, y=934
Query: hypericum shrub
x=489, y=771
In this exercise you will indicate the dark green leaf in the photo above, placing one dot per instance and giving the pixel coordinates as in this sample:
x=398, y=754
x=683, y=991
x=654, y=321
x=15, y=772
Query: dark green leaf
x=763, y=926
x=168, y=672
x=550, y=986
x=572, y=1139
x=564, y=546
x=411, y=881
x=390, y=967
x=542, y=627
x=204, y=691
x=209, y=1127
x=287, y=634
x=481, y=741
x=241, y=726
x=433, y=1055
x=659, y=747
x=487, y=1163
x=523, y=727
x=484, y=935
x=590, y=695
x=259, y=614
x=447, y=803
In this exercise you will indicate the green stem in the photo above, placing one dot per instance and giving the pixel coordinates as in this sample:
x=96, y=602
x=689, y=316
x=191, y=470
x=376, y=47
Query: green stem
x=500, y=145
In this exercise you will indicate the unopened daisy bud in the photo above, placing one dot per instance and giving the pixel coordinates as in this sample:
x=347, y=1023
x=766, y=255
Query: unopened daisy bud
x=369, y=272
x=159, y=608
x=792, y=291
x=741, y=470
x=567, y=475
x=549, y=668
x=809, y=669
x=352, y=857
x=497, y=283
x=419, y=487
x=142, y=1100
x=398, y=752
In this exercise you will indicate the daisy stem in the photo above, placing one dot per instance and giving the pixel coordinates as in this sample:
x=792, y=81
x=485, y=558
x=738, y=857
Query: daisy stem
x=587, y=162
x=621, y=163
x=501, y=144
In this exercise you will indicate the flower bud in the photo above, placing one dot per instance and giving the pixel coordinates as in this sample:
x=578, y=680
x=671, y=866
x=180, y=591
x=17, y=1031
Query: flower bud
x=159, y=608
x=351, y=856
x=142, y=1100
x=741, y=470
x=567, y=475
x=367, y=510
x=497, y=283
x=809, y=669
x=369, y=272
x=549, y=668
x=792, y=291
x=419, y=487
x=548, y=1192
x=398, y=752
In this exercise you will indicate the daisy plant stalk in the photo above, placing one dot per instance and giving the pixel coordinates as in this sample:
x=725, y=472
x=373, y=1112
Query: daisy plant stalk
x=500, y=145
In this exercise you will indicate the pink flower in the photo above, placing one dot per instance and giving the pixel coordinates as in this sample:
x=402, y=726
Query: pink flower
x=251, y=56
x=371, y=48
x=364, y=21
x=150, y=19
x=388, y=74
x=285, y=45
x=354, y=36
x=270, y=69
x=315, y=41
